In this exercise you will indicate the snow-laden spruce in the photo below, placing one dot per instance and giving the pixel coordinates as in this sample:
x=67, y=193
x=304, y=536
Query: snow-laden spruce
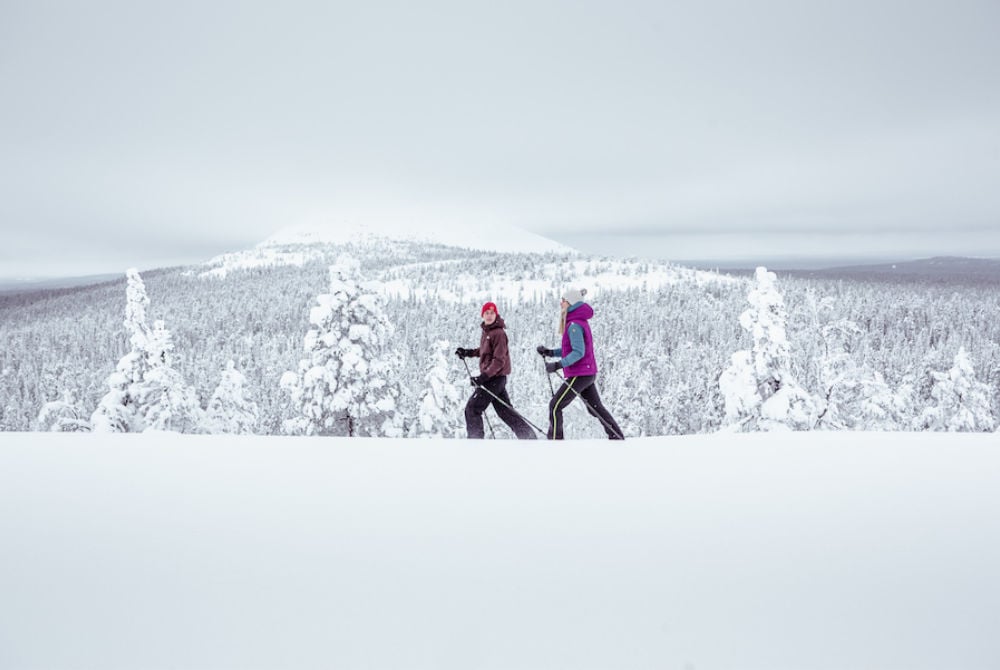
x=438, y=402
x=342, y=385
x=961, y=402
x=145, y=392
x=116, y=412
x=62, y=416
x=229, y=410
x=759, y=389
x=164, y=400
x=851, y=395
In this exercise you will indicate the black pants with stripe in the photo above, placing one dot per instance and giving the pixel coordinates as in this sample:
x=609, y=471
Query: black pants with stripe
x=587, y=389
x=480, y=400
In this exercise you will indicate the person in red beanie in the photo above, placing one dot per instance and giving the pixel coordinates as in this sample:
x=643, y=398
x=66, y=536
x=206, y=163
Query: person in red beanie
x=491, y=384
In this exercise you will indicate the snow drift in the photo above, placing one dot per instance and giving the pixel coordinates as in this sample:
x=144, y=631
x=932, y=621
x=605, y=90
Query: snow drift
x=794, y=550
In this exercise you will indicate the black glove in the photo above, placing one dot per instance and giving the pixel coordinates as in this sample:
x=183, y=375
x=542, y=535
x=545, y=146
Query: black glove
x=480, y=380
x=553, y=366
x=465, y=353
x=543, y=350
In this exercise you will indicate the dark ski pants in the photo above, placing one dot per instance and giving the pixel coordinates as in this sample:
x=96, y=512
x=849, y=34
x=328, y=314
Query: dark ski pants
x=587, y=389
x=480, y=400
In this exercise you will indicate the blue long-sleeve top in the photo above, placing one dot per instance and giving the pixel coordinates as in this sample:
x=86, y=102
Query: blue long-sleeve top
x=577, y=346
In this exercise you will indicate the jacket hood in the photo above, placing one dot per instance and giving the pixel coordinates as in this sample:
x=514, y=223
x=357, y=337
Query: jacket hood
x=581, y=311
x=496, y=324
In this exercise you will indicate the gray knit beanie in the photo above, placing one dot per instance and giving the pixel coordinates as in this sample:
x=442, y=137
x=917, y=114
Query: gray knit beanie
x=574, y=295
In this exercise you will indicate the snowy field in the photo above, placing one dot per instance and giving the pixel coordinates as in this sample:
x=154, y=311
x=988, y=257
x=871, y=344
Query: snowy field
x=800, y=551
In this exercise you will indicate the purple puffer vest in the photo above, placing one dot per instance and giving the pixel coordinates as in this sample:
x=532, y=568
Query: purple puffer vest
x=588, y=364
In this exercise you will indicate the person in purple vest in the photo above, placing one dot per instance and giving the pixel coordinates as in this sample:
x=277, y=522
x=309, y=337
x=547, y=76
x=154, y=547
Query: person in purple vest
x=579, y=366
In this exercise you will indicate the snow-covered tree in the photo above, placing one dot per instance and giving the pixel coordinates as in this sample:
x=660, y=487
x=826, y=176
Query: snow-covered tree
x=851, y=396
x=164, y=399
x=961, y=402
x=145, y=392
x=759, y=389
x=880, y=407
x=840, y=381
x=116, y=411
x=347, y=383
x=229, y=410
x=438, y=414
x=62, y=416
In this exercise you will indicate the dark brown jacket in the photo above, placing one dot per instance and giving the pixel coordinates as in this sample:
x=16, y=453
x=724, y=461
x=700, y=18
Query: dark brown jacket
x=494, y=358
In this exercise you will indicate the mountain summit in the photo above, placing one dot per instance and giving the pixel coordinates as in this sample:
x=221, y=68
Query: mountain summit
x=381, y=236
x=464, y=233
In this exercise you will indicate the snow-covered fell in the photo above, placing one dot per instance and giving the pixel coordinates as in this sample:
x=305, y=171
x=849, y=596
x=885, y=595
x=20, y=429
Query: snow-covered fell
x=466, y=234
x=322, y=240
x=497, y=262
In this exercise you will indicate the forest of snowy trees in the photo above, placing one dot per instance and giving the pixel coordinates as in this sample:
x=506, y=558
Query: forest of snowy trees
x=360, y=345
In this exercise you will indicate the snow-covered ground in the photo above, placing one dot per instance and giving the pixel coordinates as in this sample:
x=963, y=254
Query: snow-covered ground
x=801, y=550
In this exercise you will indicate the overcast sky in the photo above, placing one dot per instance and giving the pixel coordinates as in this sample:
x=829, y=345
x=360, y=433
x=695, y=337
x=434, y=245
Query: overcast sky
x=135, y=133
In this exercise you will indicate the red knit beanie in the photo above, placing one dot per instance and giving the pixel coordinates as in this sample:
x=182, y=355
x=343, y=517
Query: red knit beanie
x=489, y=305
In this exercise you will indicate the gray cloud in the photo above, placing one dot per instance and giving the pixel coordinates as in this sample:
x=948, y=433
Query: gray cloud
x=196, y=126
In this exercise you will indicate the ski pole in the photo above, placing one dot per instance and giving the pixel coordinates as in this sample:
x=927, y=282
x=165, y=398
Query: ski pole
x=523, y=417
x=552, y=390
x=505, y=404
x=485, y=415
